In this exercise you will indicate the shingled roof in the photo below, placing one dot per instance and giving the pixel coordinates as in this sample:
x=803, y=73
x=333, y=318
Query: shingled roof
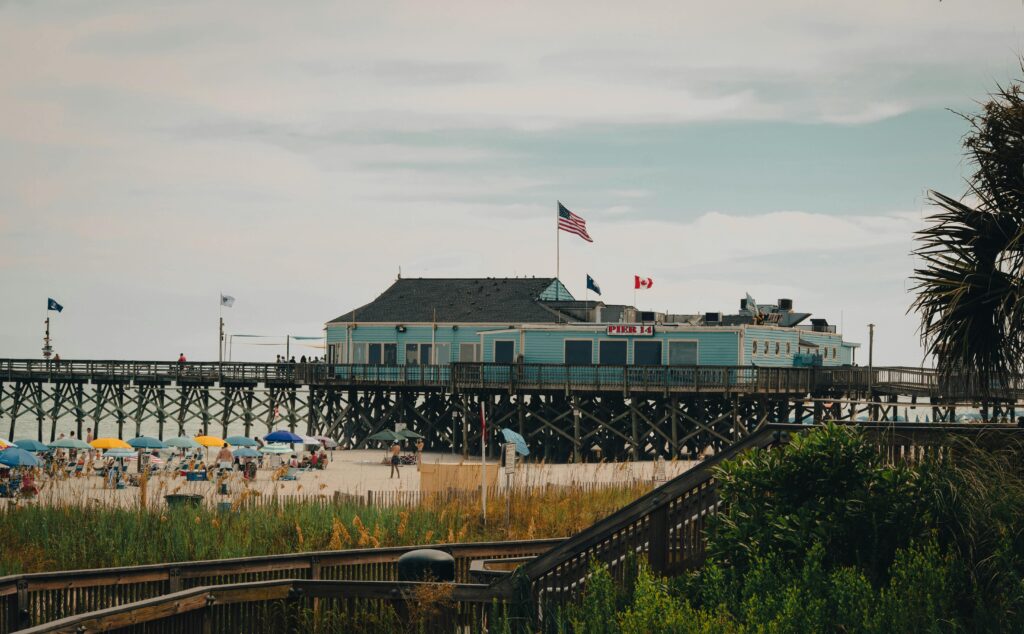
x=459, y=300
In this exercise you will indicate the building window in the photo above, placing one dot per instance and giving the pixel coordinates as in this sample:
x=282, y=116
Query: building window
x=788, y=348
x=755, y=347
x=417, y=354
x=442, y=353
x=682, y=353
x=381, y=353
x=612, y=353
x=469, y=352
x=777, y=347
x=504, y=351
x=579, y=352
x=646, y=353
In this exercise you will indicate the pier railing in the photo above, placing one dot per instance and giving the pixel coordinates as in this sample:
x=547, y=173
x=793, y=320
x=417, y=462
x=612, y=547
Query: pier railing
x=499, y=376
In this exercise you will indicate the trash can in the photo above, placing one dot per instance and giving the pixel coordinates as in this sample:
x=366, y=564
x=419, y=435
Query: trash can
x=426, y=564
x=178, y=500
x=224, y=507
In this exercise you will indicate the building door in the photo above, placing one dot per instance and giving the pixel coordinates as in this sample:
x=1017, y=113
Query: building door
x=504, y=351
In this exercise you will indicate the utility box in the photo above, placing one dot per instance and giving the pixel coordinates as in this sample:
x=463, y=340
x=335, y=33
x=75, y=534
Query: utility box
x=426, y=564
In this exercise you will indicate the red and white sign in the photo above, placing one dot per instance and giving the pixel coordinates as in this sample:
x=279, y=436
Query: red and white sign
x=642, y=282
x=631, y=330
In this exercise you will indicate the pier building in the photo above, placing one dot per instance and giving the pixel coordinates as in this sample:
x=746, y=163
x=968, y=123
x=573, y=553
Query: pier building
x=439, y=321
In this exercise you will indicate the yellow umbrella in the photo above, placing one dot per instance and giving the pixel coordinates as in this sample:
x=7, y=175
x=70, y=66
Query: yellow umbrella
x=210, y=441
x=4, y=444
x=110, y=443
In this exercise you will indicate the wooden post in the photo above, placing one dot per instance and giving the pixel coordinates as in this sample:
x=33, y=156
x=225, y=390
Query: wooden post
x=21, y=618
x=174, y=580
x=657, y=549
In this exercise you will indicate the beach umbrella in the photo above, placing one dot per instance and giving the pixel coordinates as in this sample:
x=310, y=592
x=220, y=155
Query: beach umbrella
x=311, y=441
x=110, y=443
x=146, y=442
x=282, y=435
x=328, y=442
x=386, y=435
x=276, y=449
x=70, y=443
x=245, y=452
x=119, y=452
x=5, y=444
x=210, y=441
x=14, y=457
x=181, y=442
x=28, y=444
x=241, y=441
x=409, y=434
x=517, y=440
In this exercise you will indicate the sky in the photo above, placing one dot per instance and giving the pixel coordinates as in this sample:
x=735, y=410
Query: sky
x=297, y=156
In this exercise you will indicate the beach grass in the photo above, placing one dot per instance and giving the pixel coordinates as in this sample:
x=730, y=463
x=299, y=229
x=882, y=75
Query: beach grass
x=68, y=535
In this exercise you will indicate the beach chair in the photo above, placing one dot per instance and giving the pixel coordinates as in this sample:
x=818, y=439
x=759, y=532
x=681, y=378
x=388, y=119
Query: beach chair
x=293, y=474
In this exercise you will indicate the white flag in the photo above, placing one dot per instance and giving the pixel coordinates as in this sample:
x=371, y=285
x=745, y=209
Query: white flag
x=227, y=300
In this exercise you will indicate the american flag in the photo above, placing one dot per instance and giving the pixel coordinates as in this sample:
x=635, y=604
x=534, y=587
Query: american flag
x=568, y=221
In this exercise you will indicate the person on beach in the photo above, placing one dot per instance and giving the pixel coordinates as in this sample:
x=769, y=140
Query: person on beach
x=419, y=453
x=224, y=457
x=395, y=459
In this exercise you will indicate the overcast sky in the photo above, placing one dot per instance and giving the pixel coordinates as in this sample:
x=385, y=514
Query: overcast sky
x=295, y=155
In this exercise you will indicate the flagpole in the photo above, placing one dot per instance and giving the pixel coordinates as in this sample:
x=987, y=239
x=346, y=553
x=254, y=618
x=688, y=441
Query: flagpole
x=558, y=254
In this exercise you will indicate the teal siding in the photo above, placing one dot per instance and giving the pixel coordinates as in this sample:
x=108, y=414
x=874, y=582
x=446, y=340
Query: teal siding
x=714, y=346
x=367, y=333
x=768, y=340
x=827, y=343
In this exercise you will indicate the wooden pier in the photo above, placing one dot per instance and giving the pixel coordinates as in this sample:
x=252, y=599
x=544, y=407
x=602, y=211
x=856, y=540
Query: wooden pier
x=566, y=412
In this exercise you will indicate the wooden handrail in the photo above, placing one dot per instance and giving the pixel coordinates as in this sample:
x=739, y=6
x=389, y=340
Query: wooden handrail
x=109, y=586
x=207, y=597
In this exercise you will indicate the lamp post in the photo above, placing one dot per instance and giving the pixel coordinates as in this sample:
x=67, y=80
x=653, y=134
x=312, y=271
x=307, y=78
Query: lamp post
x=871, y=364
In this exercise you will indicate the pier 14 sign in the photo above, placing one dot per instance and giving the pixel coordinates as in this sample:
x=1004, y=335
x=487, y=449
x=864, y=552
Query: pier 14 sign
x=631, y=330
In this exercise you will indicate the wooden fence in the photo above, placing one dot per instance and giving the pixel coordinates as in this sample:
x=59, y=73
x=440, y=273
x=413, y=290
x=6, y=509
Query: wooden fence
x=665, y=526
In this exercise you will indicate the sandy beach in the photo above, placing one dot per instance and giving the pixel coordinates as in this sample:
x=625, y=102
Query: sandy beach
x=352, y=472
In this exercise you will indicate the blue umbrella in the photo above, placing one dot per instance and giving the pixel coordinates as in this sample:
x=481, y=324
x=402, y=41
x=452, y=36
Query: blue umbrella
x=245, y=452
x=16, y=457
x=519, y=441
x=241, y=441
x=182, y=442
x=31, y=445
x=282, y=435
x=146, y=442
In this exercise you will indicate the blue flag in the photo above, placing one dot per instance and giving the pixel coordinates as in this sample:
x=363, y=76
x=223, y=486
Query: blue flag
x=592, y=285
x=51, y=304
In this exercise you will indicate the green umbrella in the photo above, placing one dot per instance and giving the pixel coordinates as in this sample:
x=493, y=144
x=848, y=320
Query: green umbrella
x=241, y=441
x=276, y=448
x=387, y=435
x=183, y=443
x=408, y=433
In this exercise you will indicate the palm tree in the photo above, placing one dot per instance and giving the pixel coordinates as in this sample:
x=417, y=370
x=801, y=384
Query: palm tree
x=969, y=283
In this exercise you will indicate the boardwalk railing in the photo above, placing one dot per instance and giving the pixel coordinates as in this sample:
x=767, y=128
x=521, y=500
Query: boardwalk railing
x=666, y=526
x=33, y=599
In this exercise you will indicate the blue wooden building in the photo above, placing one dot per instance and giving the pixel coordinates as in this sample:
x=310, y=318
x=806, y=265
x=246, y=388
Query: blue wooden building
x=437, y=321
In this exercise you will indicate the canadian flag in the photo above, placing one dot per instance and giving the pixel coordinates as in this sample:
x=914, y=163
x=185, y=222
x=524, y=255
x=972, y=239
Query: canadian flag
x=642, y=282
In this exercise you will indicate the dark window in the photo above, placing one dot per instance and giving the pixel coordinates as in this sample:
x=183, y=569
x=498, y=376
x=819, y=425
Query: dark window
x=374, y=358
x=424, y=354
x=646, y=353
x=579, y=352
x=612, y=352
x=411, y=358
x=682, y=353
x=391, y=354
x=504, y=351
